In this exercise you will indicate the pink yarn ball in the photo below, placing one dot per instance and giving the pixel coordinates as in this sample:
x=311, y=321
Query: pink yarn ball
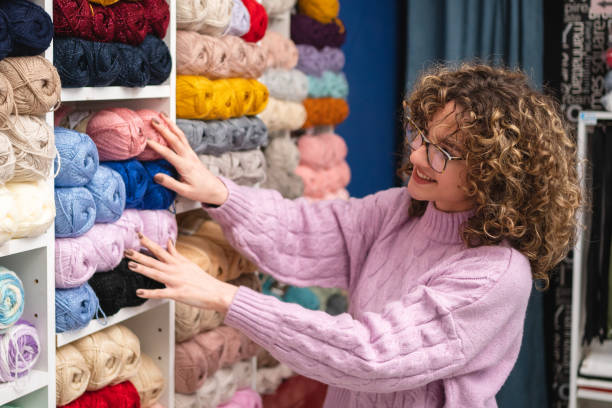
x=108, y=241
x=317, y=183
x=150, y=134
x=118, y=133
x=159, y=226
x=74, y=262
x=244, y=398
x=130, y=225
x=322, y=151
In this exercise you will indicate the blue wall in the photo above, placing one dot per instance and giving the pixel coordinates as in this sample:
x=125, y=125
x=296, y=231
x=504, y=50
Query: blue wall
x=373, y=66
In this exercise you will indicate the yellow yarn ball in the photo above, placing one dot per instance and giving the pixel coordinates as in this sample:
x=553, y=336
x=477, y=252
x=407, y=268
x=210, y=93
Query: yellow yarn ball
x=198, y=97
x=324, y=11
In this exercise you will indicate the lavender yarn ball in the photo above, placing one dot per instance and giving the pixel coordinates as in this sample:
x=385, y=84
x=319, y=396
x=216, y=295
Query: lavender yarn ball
x=313, y=61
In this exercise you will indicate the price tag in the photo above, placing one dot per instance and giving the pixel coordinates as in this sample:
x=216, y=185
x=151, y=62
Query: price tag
x=588, y=118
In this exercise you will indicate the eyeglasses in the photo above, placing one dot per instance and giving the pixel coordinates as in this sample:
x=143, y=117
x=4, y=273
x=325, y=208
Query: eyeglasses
x=437, y=157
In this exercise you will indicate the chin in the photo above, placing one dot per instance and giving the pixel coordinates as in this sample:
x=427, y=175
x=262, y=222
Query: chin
x=416, y=192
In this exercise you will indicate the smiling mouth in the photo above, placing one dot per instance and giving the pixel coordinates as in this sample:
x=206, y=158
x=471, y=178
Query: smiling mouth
x=423, y=176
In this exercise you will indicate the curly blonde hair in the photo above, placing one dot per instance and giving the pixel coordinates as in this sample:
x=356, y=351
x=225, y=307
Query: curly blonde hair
x=520, y=156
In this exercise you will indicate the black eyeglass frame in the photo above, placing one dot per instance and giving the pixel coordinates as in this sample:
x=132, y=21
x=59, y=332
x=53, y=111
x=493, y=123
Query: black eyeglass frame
x=424, y=140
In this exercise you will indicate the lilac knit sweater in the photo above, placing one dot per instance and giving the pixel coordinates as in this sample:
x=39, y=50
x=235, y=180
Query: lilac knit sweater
x=431, y=323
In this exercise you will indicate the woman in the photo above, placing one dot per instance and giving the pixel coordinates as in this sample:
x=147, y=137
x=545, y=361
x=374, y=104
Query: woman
x=438, y=273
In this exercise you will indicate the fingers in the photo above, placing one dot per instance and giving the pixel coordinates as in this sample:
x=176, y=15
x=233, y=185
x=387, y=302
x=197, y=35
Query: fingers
x=172, y=250
x=154, y=294
x=157, y=251
x=172, y=184
x=172, y=138
x=166, y=153
x=174, y=127
x=144, y=259
x=152, y=273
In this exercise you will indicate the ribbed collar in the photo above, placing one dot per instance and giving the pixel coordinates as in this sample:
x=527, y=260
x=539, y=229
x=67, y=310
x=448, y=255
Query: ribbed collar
x=443, y=226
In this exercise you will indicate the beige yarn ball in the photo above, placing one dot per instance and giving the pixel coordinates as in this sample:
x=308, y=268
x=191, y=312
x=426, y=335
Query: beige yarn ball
x=149, y=381
x=103, y=356
x=33, y=211
x=71, y=374
x=130, y=351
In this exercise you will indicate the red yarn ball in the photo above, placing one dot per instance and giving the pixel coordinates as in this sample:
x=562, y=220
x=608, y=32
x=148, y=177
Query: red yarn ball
x=259, y=21
x=131, y=26
x=158, y=16
x=122, y=395
x=609, y=57
x=72, y=17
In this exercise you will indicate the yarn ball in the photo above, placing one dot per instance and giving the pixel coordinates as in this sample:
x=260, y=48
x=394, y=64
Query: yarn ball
x=306, y=30
x=71, y=374
x=33, y=210
x=19, y=351
x=78, y=158
x=283, y=115
x=295, y=391
x=8, y=224
x=313, y=61
x=269, y=378
x=328, y=85
x=150, y=134
x=240, y=21
x=220, y=136
x=34, y=146
x=274, y=7
x=281, y=52
x=7, y=159
x=218, y=57
x=325, y=111
x=129, y=225
x=187, y=321
x=200, y=98
x=131, y=26
x=109, y=242
x=157, y=197
x=206, y=17
x=118, y=133
x=282, y=153
x=245, y=168
x=149, y=381
x=75, y=261
x=71, y=57
x=12, y=298
x=159, y=226
x=103, y=357
x=31, y=27
x=108, y=191
x=158, y=56
x=35, y=82
x=7, y=100
x=6, y=39
x=286, y=182
x=290, y=294
x=321, y=151
x=79, y=18
x=130, y=351
x=244, y=398
x=76, y=211
x=135, y=178
x=122, y=395
x=222, y=385
x=158, y=16
x=324, y=11
x=74, y=307
x=135, y=67
x=319, y=182
x=191, y=365
x=291, y=85
x=259, y=21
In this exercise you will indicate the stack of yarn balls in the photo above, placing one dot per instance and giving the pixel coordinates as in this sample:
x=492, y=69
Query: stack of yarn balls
x=29, y=88
x=606, y=100
x=105, y=195
x=111, y=44
x=19, y=341
x=107, y=368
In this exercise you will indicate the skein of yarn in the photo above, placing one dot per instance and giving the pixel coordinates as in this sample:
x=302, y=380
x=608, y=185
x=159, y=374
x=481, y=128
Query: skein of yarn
x=245, y=168
x=34, y=146
x=158, y=16
x=19, y=351
x=283, y=115
x=157, y=197
x=319, y=182
x=135, y=178
x=78, y=155
x=321, y=151
x=7, y=100
x=244, y=398
x=150, y=133
x=74, y=307
x=33, y=210
x=190, y=366
x=108, y=241
x=274, y=7
x=259, y=21
x=108, y=192
x=12, y=298
x=282, y=153
x=324, y=11
x=286, y=182
x=130, y=351
x=7, y=159
x=210, y=17
x=123, y=395
x=76, y=211
x=129, y=225
x=281, y=52
x=135, y=70
x=158, y=57
x=71, y=374
x=240, y=21
x=328, y=85
x=30, y=25
x=118, y=133
x=325, y=111
x=103, y=357
x=75, y=261
x=291, y=85
x=35, y=82
x=159, y=226
x=269, y=378
x=220, y=387
x=187, y=321
x=6, y=40
x=314, y=62
x=8, y=224
x=149, y=381
x=306, y=30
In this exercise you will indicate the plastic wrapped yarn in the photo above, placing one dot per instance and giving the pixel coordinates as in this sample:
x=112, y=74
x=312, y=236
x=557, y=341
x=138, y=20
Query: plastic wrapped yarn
x=33, y=210
x=200, y=98
x=280, y=51
x=274, y=7
x=108, y=191
x=319, y=182
x=258, y=19
x=159, y=58
x=328, y=85
x=157, y=197
x=19, y=351
x=75, y=211
x=306, y=30
x=34, y=146
x=321, y=151
x=240, y=22
x=130, y=351
x=159, y=226
x=75, y=261
x=210, y=17
x=71, y=374
x=244, y=398
x=35, y=82
x=313, y=61
x=12, y=298
x=218, y=57
x=135, y=178
x=78, y=158
x=291, y=85
x=149, y=381
x=31, y=27
x=283, y=115
x=325, y=111
x=135, y=67
x=122, y=395
x=245, y=168
x=324, y=11
x=74, y=307
x=103, y=357
x=269, y=378
x=150, y=134
x=7, y=159
x=220, y=136
x=118, y=133
x=7, y=99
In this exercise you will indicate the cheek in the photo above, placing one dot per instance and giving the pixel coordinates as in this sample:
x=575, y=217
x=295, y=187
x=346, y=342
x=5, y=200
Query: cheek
x=453, y=182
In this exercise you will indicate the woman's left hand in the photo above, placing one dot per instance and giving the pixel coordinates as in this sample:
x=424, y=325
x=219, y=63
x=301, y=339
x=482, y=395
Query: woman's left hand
x=185, y=281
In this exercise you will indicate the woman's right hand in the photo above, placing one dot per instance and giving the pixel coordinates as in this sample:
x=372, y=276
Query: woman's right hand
x=196, y=181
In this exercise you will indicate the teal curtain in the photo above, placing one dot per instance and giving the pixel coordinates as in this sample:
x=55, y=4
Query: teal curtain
x=507, y=32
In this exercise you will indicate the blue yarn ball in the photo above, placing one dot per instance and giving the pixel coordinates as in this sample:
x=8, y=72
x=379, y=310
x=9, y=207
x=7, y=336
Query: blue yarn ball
x=12, y=298
x=108, y=190
x=73, y=62
x=330, y=84
x=78, y=158
x=74, y=307
x=159, y=58
x=135, y=178
x=106, y=63
x=135, y=67
x=157, y=197
x=30, y=26
x=6, y=40
x=292, y=294
x=75, y=211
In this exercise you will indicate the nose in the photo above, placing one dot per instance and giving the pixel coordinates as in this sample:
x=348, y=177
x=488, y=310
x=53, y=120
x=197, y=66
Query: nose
x=418, y=157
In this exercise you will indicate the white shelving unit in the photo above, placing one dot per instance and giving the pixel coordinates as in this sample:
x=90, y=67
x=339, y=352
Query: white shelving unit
x=581, y=397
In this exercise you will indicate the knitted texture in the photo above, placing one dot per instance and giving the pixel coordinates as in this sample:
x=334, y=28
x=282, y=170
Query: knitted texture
x=442, y=317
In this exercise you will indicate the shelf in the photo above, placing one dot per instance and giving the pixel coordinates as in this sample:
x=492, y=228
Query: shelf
x=15, y=246
x=98, y=324
x=35, y=380
x=108, y=93
x=591, y=117
x=589, y=382
x=594, y=395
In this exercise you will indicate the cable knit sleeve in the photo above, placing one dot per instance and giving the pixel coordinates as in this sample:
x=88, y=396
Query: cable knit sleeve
x=434, y=332
x=303, y=243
